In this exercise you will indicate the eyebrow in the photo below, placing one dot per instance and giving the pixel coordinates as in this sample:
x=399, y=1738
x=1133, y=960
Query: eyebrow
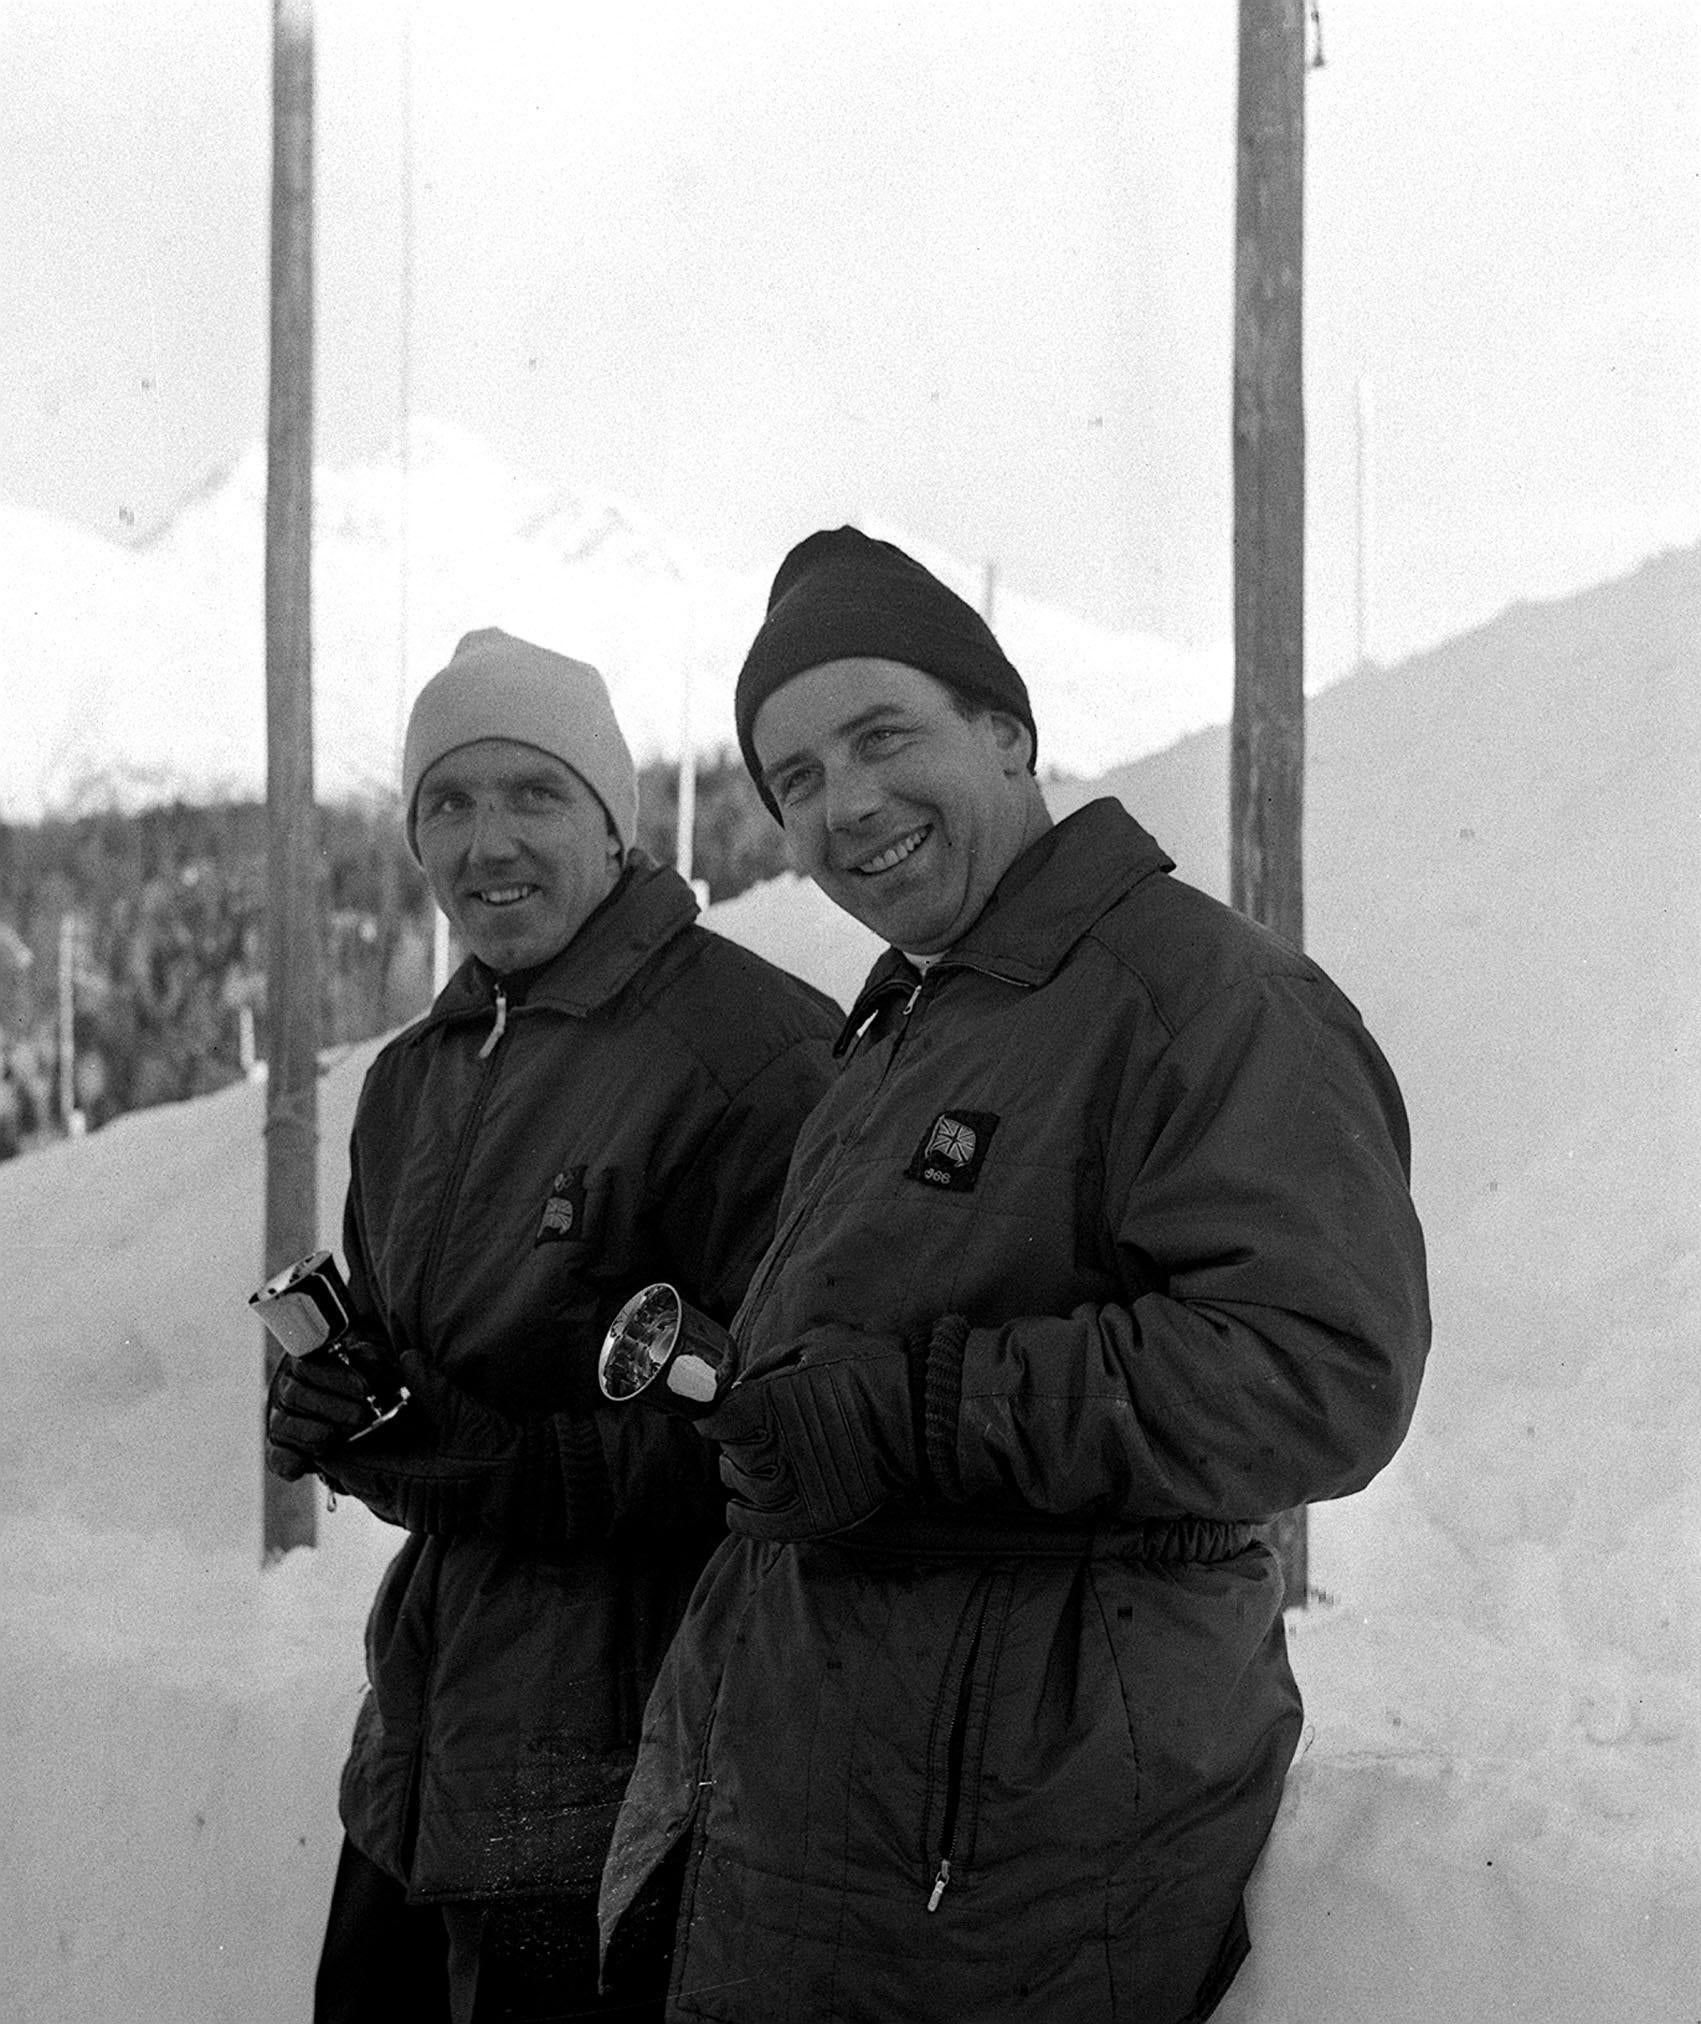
x=847, y=729
x=540, y=778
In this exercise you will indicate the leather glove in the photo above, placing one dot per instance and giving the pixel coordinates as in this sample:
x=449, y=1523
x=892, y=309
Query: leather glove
x=817, y=1445
x=314, y=1404
x=450, y=1464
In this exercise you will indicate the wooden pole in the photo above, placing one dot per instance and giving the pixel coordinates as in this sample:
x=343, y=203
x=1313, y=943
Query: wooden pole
x=685, y=822
x=1267, y=746
x=1361, y=570
x=69, y=1115
x=292, y=942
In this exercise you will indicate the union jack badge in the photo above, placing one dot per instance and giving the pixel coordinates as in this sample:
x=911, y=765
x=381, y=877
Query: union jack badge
x=564, y=1212
x=953, y=1150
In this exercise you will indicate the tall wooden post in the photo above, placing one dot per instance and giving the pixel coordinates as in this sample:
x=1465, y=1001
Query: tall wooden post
x=1362, y=543
x=292, y=933
x=1267, y=746
x=70, y=1117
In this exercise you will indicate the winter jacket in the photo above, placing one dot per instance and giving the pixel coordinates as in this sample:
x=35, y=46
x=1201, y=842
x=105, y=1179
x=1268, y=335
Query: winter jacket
x=1131, y=1174
x=513, y=1180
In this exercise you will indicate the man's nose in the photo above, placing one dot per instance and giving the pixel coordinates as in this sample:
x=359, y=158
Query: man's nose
x=852, y=796
x=492, y=833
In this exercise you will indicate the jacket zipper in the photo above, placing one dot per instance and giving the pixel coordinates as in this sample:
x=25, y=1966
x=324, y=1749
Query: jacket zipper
x=427, y=1279
x=954, y=1753
x=501, y=1026
x=782, y=1243
x=458, y=1165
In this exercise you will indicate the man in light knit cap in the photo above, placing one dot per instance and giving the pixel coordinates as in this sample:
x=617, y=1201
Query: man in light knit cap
x=604, y=1095
x=1098, y=1253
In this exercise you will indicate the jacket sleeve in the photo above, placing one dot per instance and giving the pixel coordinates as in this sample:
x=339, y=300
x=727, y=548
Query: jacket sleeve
x=540, y=1483
x=573, y=1476
x=719, y=1217
x=1269, y=1344
x=544, y=1484
x=716, y=1223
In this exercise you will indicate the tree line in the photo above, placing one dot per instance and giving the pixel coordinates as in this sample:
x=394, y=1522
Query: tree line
x=146, y=931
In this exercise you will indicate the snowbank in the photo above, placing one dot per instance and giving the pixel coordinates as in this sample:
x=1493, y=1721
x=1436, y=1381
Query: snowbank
x=1497, y=1812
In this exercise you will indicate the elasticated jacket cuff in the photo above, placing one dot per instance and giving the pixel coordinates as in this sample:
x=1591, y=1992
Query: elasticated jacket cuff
x=944, y=1401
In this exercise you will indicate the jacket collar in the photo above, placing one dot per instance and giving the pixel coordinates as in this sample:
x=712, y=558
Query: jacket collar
x=649, y=906
x=1048, y=899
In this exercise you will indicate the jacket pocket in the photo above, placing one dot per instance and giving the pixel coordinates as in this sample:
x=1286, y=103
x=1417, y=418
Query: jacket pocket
x=957, y=1738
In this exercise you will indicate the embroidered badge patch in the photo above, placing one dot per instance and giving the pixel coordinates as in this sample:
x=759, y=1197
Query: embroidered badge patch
x=564, y=1212
x=953, y=1150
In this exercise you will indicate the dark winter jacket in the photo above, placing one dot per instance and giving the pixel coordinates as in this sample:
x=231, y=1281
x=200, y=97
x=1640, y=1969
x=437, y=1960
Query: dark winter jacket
x=1135, y=1175
x=631, y=1123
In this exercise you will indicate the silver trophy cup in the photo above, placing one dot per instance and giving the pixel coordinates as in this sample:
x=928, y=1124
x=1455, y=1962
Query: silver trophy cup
x=664, y=1352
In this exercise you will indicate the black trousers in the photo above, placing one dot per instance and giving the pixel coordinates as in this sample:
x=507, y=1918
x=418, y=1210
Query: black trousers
x=513, y=1961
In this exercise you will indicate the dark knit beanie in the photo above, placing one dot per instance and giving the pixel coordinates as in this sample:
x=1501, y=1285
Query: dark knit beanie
x=841, y=596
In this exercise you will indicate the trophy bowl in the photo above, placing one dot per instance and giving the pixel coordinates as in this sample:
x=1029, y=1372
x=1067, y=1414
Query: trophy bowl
x=660, y=1349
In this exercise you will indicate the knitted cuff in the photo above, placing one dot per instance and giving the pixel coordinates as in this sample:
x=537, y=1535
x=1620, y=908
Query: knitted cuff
x=944, y=1401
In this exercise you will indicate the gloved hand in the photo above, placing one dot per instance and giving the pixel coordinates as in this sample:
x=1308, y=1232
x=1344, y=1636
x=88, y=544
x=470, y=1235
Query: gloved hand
x=448, y=1463
x=314, y=1404
x=815, y=1446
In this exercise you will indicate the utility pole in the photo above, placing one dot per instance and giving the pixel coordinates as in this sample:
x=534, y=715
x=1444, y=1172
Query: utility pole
x=292, y=938
x=685, y=823
x=1361, y=570
x=1267, y=745
x=70, y=1116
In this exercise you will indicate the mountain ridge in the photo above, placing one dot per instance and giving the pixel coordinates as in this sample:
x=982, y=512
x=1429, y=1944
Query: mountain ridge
x=143, y=661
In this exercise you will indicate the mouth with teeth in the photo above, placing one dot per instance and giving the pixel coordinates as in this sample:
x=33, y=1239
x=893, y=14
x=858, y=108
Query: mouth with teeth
x=894, y=854
x=503, y=896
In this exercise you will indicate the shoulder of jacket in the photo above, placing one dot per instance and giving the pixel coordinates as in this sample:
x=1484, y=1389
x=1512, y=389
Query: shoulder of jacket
x=389, y=1057
x=733, y=1011
x=1182, y=948
x=393, y=1068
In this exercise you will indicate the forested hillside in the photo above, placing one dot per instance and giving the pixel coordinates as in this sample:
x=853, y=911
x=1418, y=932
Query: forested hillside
x=157, y=920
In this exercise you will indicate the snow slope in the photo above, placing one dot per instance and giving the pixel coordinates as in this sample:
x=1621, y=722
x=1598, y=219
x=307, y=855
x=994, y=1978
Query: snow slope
x=1503, y=868
x=1497, y=1812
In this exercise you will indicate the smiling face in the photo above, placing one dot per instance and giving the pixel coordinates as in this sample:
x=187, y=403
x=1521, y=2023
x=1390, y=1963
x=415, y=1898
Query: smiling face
x=516, y=848
x=904, y=812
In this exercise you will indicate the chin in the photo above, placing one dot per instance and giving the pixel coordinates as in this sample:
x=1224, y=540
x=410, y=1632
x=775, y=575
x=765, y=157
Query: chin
x=498, y=953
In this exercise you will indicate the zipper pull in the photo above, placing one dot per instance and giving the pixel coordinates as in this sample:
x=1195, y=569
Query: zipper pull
x=939, y=1883
x=496, y=1032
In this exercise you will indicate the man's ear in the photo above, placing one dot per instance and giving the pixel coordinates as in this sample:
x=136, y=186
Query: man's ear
x=1013, y=739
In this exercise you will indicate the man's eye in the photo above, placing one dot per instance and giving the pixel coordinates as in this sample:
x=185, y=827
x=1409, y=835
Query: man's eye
x=790, y=788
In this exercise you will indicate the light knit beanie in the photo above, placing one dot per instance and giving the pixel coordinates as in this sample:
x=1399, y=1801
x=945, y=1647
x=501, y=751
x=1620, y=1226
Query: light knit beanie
x=496, y=686
x=841, y=596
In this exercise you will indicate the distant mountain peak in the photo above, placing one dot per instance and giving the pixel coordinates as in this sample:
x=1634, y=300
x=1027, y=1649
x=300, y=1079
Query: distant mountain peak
x=161, y=676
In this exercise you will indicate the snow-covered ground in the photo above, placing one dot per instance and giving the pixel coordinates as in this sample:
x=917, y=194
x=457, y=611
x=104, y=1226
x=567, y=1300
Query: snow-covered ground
x=1496, y=1815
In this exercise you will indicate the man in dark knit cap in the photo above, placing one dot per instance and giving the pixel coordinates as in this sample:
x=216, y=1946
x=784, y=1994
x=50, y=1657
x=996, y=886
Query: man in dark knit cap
x=604, y=1095
x=1099, y=1254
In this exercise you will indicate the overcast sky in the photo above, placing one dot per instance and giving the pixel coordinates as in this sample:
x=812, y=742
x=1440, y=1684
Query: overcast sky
x=961, y=265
